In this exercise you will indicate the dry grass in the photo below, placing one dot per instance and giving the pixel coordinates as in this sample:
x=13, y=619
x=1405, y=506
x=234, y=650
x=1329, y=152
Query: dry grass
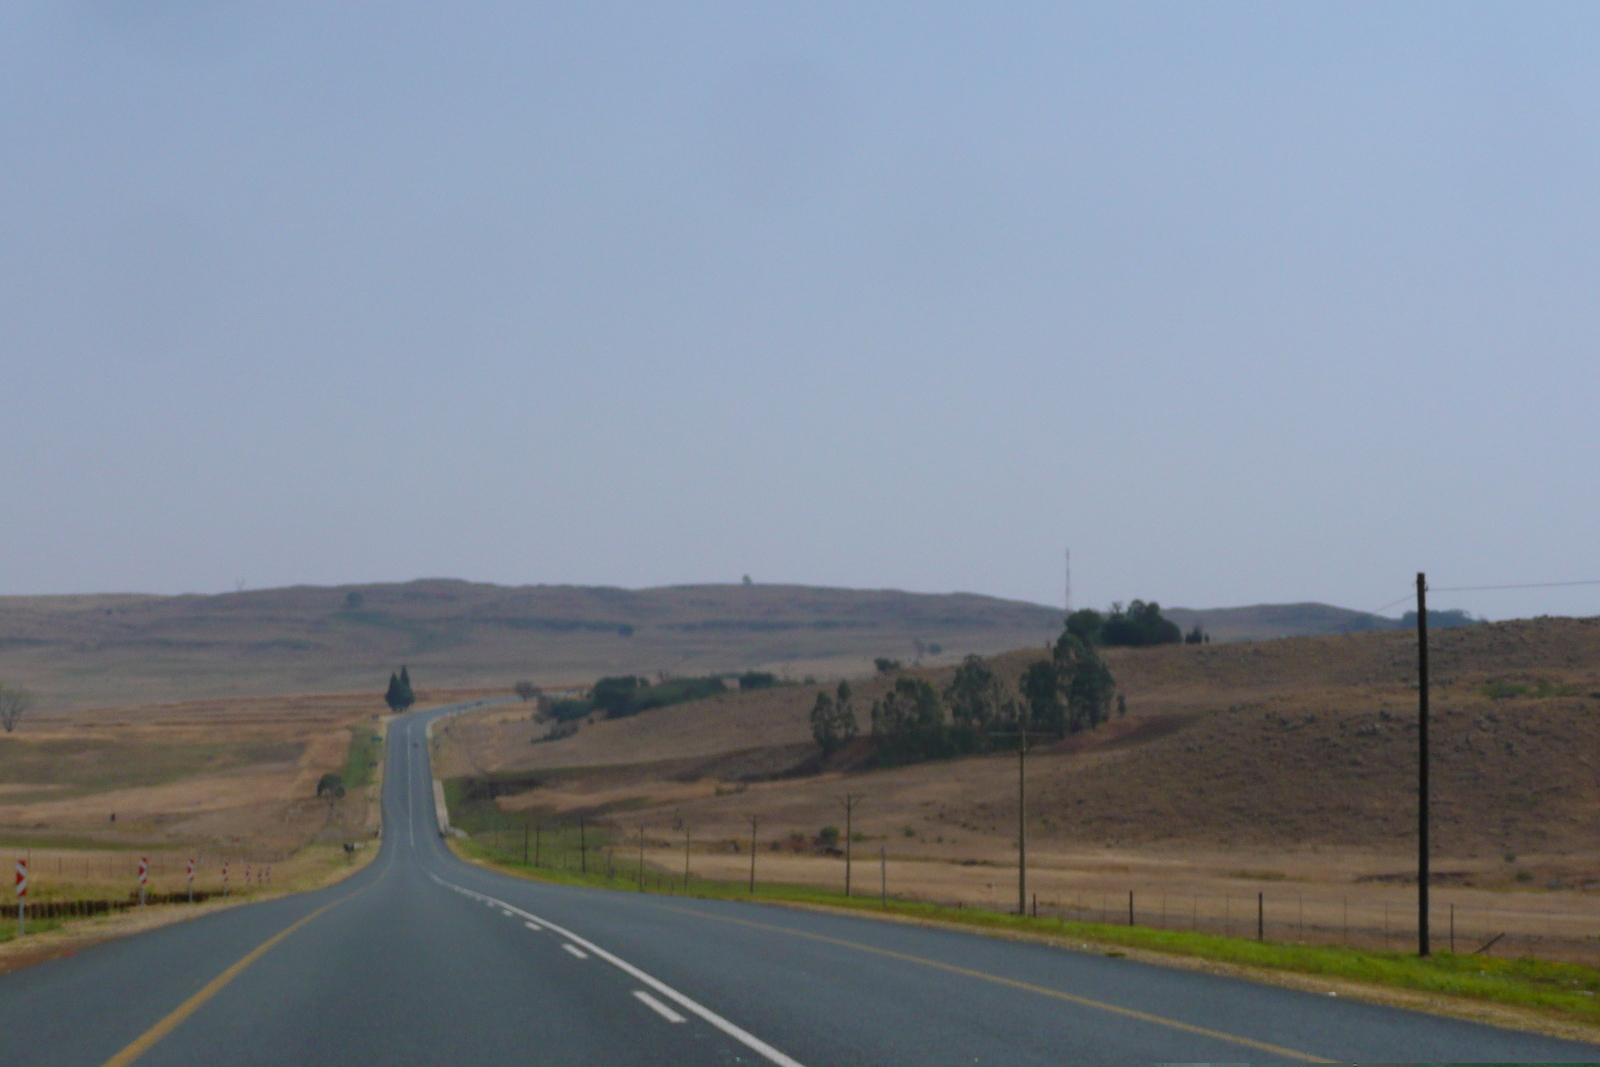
x=209, y=780
x=1285, y=767
x=82, y=650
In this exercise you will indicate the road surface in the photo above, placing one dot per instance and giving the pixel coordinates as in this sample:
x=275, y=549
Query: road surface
x=423, y=959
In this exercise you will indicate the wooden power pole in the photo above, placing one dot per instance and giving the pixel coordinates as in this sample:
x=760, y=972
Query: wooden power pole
x=1422, y=764
x=849, y=800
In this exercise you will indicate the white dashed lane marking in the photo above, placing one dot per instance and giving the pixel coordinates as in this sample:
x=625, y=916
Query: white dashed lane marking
x=744, y=1037
x=658, y=1007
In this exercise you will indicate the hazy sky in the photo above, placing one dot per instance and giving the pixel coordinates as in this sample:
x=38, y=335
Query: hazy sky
x=1243, y=303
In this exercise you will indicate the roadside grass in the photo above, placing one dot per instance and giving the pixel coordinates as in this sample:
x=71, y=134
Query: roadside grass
x=1567, y=990
x=8, y=928
x=366, y=745
x=69, y=767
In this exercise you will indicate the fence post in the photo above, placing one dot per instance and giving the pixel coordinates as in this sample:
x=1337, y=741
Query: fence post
x=1261, y=916
x=883, y=878
x=1130, y=907
x=1452, y=929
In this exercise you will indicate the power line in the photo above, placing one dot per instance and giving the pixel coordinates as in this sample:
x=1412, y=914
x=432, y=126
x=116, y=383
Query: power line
x=1531, y=585
x=1392, y=603
x=1478, y=589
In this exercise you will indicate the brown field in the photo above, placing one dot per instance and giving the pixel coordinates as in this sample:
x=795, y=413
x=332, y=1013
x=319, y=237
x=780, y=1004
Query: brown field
x=217, y=780
x=1284, y=768
x=81, y=651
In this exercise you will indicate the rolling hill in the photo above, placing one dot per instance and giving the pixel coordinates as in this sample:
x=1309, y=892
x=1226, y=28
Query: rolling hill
x=133, y=649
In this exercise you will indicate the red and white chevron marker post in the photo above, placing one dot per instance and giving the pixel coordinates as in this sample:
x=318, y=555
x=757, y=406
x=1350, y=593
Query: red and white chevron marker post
x=144, y=877
x=224, y=877
x=22, y=893
x=191, y=879
x=247, y=876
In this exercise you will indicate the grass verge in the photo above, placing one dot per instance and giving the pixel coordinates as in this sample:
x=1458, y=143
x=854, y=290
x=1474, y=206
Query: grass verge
x=1564, y=990
x=362, y=759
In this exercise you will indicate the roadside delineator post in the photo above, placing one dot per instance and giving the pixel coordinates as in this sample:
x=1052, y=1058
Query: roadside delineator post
x=224, y=877
x=1261, y=916
x=144, y=877
x=191, y=879
x=22, y=895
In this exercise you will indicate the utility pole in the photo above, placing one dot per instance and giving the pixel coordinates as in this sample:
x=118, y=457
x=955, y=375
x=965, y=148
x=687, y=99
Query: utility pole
x=1022, y=821
x=754, y=820
x=850, y=800
x=1422, y=764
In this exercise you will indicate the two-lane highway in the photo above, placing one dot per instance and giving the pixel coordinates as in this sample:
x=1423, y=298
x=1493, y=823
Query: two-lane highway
x=423, y=959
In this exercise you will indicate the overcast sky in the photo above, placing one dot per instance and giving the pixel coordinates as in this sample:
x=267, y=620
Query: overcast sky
x=1243, y=303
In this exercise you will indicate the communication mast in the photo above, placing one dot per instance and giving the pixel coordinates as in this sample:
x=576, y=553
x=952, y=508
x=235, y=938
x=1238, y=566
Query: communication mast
x=1069, y=581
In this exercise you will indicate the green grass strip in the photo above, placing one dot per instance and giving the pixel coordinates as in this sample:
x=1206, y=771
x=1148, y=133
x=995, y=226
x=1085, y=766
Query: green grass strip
x=1568, y=990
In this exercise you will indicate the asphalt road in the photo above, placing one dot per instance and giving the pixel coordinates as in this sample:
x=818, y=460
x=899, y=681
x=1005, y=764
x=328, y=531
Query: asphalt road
x=422, y=959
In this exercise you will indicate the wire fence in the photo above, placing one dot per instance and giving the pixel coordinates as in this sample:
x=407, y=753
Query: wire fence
x=1516, y=928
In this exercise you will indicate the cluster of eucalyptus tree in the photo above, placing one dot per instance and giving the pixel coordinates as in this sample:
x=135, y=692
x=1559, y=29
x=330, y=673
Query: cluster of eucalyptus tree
x=979, y=711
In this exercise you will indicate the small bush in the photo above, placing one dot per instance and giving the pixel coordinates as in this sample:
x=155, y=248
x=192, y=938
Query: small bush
x=829, y=837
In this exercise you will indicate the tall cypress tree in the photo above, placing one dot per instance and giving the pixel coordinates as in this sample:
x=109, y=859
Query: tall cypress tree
x=392, y=697
x=407, y=697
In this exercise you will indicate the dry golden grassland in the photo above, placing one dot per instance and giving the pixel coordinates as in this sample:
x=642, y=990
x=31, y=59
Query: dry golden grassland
x=80, y=651
x=85, y=794
x=1285, y=768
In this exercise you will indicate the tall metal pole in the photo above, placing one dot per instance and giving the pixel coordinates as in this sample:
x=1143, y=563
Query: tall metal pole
x=1422, y=764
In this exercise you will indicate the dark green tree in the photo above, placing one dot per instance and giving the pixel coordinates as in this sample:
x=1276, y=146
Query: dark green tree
x=392, y=696
x=1085, y=683
x=978, y=703
x=407, y=697
x=1043, y=710
x=908, y=723
x=833, y=720
x=1141, y=624
x=1085, y=624
x=1195, y=636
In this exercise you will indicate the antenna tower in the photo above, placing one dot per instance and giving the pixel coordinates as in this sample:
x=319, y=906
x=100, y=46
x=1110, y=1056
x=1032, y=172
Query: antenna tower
x=1069, y=581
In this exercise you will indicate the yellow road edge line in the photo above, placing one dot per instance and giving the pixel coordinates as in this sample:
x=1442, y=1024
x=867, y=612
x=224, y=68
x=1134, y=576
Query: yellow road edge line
x=1099, y=1005
x=146, y=1040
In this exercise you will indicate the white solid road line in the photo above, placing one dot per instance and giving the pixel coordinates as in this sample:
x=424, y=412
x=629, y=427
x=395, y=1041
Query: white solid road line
x=658, y=1007
x=744, y=1037
x=576, y=951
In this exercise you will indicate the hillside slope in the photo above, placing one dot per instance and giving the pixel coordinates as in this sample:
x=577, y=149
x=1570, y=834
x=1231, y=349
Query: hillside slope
x=1280, y=743
x=79, y=650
